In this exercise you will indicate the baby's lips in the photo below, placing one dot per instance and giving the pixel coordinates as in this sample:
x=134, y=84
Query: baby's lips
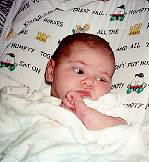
x=83, y=93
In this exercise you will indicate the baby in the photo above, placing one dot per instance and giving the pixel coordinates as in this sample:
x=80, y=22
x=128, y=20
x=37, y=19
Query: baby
x=81, y=69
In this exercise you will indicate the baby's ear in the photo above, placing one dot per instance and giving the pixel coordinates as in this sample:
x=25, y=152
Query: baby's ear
x=49, y=71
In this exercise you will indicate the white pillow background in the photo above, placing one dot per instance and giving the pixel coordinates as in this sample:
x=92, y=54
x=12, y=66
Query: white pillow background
x=128, y=35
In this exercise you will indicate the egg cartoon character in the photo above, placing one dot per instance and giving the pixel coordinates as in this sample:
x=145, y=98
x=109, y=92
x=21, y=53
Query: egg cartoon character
x=8, y=61
x=118, y=14
x=137, y=84
x=79, y=29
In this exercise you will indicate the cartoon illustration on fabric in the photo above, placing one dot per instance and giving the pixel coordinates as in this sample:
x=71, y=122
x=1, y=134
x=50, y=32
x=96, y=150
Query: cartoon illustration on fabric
x=135, y=30
x=8, y=61
x=118, y=14
x=79, y=29
x=42, y=37
x=137, y=84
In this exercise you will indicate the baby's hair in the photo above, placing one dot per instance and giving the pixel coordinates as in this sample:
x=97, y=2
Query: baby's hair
x=91, y=40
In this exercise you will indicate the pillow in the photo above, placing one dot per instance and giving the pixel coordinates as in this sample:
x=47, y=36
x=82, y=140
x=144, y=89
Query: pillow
x=24, y=12
x=123, y=23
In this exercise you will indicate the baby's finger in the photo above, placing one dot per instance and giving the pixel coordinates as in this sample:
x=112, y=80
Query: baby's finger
x=67, y=104
x=79, y=100
x=70, y=95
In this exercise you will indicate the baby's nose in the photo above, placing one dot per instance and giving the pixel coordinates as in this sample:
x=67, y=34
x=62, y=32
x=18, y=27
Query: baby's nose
x=88, y=82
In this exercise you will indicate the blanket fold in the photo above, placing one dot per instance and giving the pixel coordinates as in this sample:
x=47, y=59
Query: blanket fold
x=30, y=127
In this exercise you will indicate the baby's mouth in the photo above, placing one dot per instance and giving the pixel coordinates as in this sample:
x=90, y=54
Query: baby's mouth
x=84, y=94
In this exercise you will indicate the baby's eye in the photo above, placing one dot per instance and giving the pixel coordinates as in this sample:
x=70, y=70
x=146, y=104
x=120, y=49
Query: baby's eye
x=101, y=79
x=78, y=70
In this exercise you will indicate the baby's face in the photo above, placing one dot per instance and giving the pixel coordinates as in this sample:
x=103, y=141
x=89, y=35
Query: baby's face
x=86, y=71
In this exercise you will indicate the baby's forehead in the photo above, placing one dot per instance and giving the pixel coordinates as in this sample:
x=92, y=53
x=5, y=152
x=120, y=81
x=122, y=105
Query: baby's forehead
x=79, y=45
x=84, y=50
x=76, y=47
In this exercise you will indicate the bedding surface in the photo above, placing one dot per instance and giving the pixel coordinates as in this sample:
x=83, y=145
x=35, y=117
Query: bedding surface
x=33, y=130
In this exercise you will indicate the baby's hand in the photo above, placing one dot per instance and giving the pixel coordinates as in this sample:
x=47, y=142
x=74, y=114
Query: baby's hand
x=90, y=117
x=74, y=102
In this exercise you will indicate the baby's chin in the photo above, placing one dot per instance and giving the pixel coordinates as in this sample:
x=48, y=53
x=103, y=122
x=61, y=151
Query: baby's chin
x=87, y=97
x=95, y=97
x=92, y=97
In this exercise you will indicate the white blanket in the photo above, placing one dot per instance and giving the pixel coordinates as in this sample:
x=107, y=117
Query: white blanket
x=33, y=130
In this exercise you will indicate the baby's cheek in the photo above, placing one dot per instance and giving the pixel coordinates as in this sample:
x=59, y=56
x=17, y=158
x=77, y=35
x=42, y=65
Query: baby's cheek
x=106, y=87
x=96, y=94
x=100, y=91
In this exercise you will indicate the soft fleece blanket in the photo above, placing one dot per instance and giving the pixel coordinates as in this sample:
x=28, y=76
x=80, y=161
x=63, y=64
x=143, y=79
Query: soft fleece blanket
x=34, y=130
